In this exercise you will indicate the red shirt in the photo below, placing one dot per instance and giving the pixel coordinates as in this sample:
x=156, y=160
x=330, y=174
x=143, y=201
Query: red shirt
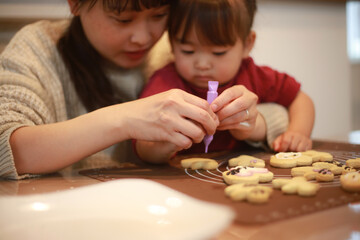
x=269, y=85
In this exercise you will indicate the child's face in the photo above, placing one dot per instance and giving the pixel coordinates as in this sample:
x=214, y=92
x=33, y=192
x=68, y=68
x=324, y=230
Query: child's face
x=198, y=63
x=123, y=39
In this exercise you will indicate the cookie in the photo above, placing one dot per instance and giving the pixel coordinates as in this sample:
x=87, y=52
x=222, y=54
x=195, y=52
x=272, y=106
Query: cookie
x=246, y=161
x=311, y=173
x=335, y=167
x=319, y=156
x=296, y=185
x=253, y=193
x=354, y=163
x=199, y=163
x=350, y=181
x=251, y=175
x=347, y=169
x=324, y=175
x=290, y=159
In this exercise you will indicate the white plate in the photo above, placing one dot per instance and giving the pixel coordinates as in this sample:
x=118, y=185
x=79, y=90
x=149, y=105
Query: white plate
x=120, y=209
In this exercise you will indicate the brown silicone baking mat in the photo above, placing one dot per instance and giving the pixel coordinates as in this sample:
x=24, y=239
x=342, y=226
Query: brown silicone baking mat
x=209, y=186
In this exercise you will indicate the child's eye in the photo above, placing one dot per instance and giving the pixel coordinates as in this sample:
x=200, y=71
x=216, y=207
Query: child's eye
x=187, y=52
x=124, y=21
x=219, y=53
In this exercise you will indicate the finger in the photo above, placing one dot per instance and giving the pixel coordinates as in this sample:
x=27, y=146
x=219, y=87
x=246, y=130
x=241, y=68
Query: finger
x=277, y=143
x=245, y=125
x=201, y=103
x=225, y=97
x=198, y=110
x=199, y=138
x=305, y=145
x=239, y=126
x=237, y=118
x=177, y=103
x=180, y=140
x=232, y=108
x=294, y=144
x=309, y=146
x=190, y=129
x=200, y=116
x=285, y=143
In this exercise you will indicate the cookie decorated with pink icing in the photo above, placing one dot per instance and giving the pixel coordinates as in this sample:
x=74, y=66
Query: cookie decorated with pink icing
x=335, y=167
x=253, y=193
x=350, y=181
x=324, y=175
x=251, y=175
x=290, y=160
x=246, y=161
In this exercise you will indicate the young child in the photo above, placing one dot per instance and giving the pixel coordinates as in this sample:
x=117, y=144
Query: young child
x=211, y=41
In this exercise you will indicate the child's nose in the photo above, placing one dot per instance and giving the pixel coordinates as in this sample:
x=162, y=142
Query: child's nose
x=202, y=63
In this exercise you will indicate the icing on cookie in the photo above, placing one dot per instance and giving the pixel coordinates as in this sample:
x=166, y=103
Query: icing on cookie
x=287, y=155
x=323, y=171
x=252, y=175
x=246, y=171
x=290, y=160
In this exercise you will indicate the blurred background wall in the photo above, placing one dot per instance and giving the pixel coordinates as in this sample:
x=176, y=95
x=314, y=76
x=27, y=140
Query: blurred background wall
x=307, y=39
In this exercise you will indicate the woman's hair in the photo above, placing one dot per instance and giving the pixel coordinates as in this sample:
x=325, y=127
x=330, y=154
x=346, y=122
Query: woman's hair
x=218, y=22
x=84, y=62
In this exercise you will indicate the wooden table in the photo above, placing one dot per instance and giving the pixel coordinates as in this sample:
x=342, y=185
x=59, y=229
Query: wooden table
x=341, y=222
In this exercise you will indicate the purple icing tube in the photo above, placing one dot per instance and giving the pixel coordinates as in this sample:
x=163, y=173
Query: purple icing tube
x=211, y=95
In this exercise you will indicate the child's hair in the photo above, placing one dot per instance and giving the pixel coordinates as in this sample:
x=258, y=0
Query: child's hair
x=218, y=22
x=84, y=62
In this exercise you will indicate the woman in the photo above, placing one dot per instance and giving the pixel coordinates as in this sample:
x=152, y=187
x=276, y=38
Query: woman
x=68, y=89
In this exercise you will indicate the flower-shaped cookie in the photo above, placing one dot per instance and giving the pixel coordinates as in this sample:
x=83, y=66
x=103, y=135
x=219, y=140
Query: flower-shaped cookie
x=253, y=193
x=290, y=159
x=354, y=163
x=311, y=173
x=350, y=181
x=334, y=166
x=319, y=156
x=246, y=161
x=296, y=185
x=199, y=163
x=347, y=169
x=251, y=175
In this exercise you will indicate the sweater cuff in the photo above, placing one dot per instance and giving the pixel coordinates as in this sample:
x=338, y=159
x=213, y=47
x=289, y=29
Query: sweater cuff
x=7, y=165
x=276, y=119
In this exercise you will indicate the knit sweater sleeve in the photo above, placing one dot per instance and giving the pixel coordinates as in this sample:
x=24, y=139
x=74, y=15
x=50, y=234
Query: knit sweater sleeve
x=276, y=120
x=30, y=90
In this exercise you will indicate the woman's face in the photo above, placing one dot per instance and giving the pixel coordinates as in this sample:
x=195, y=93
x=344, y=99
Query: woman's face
x=126, y=38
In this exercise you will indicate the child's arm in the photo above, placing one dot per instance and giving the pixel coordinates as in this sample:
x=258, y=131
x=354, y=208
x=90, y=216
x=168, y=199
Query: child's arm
x=156, y=152
x=302, y=117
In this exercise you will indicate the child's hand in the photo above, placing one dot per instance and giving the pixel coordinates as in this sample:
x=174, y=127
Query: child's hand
x=292, y=141
x=236, y=109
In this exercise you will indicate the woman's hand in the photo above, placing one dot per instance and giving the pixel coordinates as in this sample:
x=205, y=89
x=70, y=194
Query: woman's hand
x=173, y=116
x=236, y=110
